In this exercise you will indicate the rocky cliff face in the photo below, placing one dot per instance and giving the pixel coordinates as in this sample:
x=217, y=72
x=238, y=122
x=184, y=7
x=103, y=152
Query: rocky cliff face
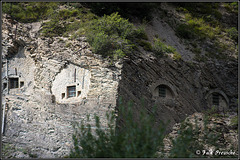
x=37, y=72
x=189, y=82
x=48, y=83
x=220, y=126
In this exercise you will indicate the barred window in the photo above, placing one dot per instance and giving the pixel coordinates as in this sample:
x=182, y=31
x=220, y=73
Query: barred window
x=13, y=83
x=162, y=91
x=71, y=90
x=215, y=99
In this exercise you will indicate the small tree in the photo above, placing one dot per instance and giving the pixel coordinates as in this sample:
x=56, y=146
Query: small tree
x=135, y=139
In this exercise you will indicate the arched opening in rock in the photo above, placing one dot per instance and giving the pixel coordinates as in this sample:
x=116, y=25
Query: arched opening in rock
x=215, y=99
x=163, y=91
x=218, y=100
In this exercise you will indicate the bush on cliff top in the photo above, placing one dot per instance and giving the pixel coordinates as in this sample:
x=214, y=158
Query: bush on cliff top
x=112, y=35
x=29, y=11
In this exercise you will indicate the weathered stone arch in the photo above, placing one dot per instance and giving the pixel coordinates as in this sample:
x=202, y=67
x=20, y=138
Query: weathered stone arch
x=161, y=82
x=219, y=92
x=224, y=101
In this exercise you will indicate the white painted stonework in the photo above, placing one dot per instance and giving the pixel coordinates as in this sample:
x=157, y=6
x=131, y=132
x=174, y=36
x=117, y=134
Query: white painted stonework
x=22, y=67
x=67, y=78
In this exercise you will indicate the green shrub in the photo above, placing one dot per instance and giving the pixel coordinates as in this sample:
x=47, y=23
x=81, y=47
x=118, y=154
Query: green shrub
x=211, y=111
x=231, y=7
x=200, y=28
x=73, y=26
x=196, y=28
x=140, y=139
x=114, y=24
x=66, y=13
x=177, y=56
x=160, y=48
x=217, y=14
x=101, y=43
x=53, y=28
x=170, y=49
x=112, y=33
x=140, y=33
x=232, y=33
x=139, y=136
x=181, y=9
x=29, y=11
x=190, y=139
x=67, y=22
x=118, y=54
x=146, y=45
x=234, y=122
x=68, y=44
x=203, y=21
x=185, y=145
x=133, y=140
x=200, y=9
x=184, y=31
